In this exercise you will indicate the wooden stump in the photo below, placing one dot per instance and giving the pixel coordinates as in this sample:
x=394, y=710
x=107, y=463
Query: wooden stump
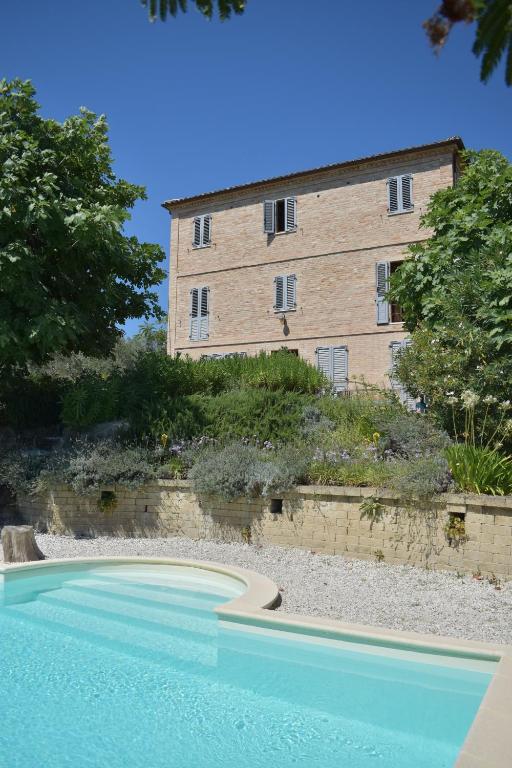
x=19, y=544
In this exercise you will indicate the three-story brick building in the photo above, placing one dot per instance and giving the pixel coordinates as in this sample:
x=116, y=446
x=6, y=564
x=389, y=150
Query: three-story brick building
x=303, y=261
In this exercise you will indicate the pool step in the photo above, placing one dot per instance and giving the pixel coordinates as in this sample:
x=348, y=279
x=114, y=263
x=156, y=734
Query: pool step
x=121, y=637
x=208, y=591
x=135, y=594
x=164, y=618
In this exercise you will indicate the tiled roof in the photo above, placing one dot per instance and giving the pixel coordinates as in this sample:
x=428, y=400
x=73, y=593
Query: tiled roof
x=454, y=140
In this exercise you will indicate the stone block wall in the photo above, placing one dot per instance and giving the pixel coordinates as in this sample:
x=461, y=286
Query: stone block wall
x=323, y=519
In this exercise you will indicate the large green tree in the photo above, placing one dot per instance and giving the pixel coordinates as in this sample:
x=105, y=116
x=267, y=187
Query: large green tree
x=456, y=289
x=69, y=275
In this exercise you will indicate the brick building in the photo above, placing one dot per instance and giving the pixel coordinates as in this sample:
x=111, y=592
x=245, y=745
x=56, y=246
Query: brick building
x=302, y=261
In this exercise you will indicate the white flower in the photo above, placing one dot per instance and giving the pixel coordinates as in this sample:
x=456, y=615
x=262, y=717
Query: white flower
x=507, y=427
x=450, y=394
x=490, y=399
x=451, y=400
x=505, y=405
x=469, y=398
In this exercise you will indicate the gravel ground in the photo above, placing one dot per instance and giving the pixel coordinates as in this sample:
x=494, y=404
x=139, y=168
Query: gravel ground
x=392, y=596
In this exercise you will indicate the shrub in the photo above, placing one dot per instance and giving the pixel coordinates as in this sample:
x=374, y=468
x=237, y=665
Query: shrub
x=253, y=413
x=280, y=371
x=86, y=467
x=409, y=435
x=356, y=472
x=240, y=469
x=359, y=414
x=20, y=469
x=480, y=470
x=425, y=477
x=28, y=402
x=92, y=400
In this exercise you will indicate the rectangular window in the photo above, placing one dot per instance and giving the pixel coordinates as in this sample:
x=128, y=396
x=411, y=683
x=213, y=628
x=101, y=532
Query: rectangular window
x=202, y=231
x=199, y=312
x=395, y=310
x=285, y=293
x=381, y=288
x=396, y=348
x=333, y=362
x=280, y=215
x=400, y=194
x=386, y=311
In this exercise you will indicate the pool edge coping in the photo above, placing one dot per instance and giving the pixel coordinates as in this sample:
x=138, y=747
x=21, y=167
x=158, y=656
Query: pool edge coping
x=488, y=743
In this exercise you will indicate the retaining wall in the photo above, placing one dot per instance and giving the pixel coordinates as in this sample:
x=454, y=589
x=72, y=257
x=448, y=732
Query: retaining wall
x=322, y=519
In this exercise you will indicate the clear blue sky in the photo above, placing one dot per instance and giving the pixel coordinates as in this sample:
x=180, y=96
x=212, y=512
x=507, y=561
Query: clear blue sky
x=195, y=105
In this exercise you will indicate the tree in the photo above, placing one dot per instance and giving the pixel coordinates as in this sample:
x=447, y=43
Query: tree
x=69, y=275
x=493, y=18
x=493, y=32
x=163, y=8
x=456, y=289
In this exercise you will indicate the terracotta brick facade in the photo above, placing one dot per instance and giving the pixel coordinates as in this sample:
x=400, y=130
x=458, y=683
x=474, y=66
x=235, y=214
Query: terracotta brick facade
x=343, y=229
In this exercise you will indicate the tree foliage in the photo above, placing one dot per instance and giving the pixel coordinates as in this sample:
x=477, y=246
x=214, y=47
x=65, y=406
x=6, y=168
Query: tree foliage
x=69, y=275
x=493, y=18
x=493, y=32
x=456, y=290
x=163, y=8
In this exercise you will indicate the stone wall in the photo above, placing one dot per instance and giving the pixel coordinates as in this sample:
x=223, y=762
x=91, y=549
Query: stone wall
x=465, y=533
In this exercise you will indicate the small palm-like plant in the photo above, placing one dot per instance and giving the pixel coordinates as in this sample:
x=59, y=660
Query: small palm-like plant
x=480, y=470
x=476, y=462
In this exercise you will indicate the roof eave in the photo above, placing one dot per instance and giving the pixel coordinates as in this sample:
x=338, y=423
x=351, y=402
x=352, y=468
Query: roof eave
x=173, y=203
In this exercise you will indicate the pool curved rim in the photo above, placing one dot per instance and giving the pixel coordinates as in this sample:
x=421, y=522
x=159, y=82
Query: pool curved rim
x=489, y=741
x=260, y=591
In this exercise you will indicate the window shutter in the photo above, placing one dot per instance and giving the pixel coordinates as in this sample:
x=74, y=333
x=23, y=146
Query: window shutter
x=340, y=368
x=405, y=398
x=194, y=311
x=204, y=314
x=406, y=184
x=324, y=361
x=207, y=230
x=291, y=282
x=291, y=214
x=393, y=194
x=269, y=215
x=280, y=292
x=333, y=362
x=196, y=240
x=381, y=287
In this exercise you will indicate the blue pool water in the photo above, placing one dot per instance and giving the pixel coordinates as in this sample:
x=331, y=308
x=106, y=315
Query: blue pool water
x=128, y=666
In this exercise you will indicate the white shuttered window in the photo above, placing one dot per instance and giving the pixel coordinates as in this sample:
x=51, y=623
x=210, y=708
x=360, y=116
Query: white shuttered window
x=397, y=348
x=400, y=197
x=333, y=362
x=202, y=231
x=199, y=313
x=280, y=215
x=285, y=293
x=381, y=288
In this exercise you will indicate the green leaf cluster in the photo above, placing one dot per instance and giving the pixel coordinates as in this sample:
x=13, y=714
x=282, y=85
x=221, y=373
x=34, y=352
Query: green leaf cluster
x=69, y=274
x=161, y=9
x=456, y=289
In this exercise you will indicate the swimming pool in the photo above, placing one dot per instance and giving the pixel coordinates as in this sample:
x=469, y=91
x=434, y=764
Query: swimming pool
x=127, y=665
